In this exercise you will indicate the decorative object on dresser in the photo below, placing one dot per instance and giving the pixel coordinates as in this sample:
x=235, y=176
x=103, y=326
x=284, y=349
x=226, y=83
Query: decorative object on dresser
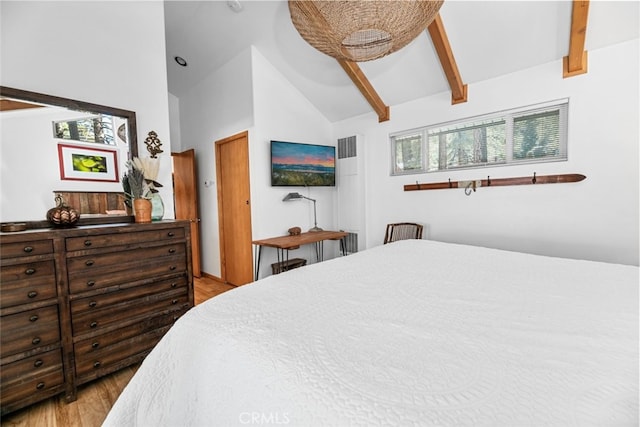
x=81, y=303
x=62, y=215
x=150, y=166
x=138, y=192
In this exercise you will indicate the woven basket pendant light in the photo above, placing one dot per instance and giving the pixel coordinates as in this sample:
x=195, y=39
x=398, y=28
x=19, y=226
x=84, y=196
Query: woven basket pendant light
x=361, y=30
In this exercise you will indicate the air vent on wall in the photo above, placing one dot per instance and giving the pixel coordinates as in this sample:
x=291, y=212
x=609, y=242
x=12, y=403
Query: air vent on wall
x=350, y=242
x=347, y=147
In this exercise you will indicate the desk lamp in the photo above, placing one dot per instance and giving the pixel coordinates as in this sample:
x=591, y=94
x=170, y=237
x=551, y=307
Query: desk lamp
x=298, y=196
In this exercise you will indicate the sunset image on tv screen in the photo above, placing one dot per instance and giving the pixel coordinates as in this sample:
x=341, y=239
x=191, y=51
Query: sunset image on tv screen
x=296, y=164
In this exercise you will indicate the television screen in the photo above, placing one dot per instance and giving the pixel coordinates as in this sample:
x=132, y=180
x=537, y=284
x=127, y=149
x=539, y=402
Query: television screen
x=304, y=165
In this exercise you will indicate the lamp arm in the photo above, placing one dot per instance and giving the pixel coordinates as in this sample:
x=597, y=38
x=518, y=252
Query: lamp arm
x=315, y=216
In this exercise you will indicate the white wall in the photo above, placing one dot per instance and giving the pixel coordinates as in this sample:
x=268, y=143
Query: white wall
x=174, y=122
x=282, y=113
x=595, y=219
x=219, y=106
x=248, y=93
x=103, y=52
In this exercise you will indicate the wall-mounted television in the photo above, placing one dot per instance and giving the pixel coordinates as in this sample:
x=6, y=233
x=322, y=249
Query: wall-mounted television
x=303, y=165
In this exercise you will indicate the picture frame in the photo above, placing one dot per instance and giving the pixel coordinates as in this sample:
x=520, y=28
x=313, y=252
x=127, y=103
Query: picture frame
x=88, y=164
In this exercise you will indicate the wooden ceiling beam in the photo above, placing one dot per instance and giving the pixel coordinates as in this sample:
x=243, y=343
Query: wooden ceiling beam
x=576, y=62
x=362, y=83
x=445, y=54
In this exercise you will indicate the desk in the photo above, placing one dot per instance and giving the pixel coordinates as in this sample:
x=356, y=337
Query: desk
x=284, y=243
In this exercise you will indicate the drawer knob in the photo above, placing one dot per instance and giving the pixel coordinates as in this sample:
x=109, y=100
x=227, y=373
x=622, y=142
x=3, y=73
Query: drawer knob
x=173, y=267
x=33, y=318
x=28, y=249
x=40, y=386
x=87, y=242
x=93, y=324
x=35, y=341
x=174, y=301
x=172, y=251
x=38, y=363
x=96, y=364
x=173, y=285
x=30, y=271
x=171, y=234
x=91, y=282
x=95, y=344
x=32, y=294
x=89, y=263
x=93, y=304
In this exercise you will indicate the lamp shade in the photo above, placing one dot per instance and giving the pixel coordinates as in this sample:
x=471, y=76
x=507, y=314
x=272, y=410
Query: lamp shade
x=292, y=196
x=361, y=30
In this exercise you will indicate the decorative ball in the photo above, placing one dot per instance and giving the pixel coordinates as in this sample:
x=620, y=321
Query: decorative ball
x=62, y=215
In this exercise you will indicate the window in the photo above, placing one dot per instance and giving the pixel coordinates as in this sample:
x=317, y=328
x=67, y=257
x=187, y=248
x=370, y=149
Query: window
x=532, y=134
x=97, y=129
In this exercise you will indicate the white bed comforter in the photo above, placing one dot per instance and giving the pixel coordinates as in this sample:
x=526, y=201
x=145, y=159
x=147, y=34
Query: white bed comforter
x=410, y=333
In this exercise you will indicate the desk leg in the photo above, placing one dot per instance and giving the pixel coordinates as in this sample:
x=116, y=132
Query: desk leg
x=283, y=259
x=257, y=250
x=320, y=251
x=343, y=248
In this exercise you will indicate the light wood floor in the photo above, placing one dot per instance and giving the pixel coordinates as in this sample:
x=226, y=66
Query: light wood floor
x=95, y=398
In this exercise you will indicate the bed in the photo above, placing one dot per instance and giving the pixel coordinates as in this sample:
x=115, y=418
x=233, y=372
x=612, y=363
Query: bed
x=414, y=332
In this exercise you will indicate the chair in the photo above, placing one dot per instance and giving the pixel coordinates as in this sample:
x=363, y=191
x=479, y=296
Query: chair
x=402, y=231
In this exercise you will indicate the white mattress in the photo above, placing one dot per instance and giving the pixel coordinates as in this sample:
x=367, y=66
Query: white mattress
x=409, y=333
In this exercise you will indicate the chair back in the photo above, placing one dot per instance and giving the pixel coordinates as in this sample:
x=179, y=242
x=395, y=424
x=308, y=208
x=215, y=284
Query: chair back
x=402, y=231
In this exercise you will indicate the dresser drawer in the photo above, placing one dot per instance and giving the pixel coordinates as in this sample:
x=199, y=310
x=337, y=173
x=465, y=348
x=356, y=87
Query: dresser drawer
x=31, y=366
x=91, y=263
x=90, y=365
x=36, y=247
x=97, y=302
x=89, y=347
x=26, y=283
x=29, y=330
x=95, y=320
x=31, y=386
x=28, y=272
x=123, y=239
x=126, y=272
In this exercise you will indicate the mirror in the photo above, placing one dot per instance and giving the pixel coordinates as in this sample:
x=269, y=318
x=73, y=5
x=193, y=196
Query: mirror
x=42, y=137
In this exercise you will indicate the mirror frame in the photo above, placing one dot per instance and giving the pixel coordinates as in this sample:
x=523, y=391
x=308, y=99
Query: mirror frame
x=72, y=104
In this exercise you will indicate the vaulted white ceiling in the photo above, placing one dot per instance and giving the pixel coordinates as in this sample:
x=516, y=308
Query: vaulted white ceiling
x=488, y=39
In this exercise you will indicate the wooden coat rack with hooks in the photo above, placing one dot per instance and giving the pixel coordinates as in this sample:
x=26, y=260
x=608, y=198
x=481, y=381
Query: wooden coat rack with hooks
x=496, y=182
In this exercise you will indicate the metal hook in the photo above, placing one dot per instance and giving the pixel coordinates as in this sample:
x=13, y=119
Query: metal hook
x=533, y=181
x=467, y=190
x=450, y=185
x=488, y=181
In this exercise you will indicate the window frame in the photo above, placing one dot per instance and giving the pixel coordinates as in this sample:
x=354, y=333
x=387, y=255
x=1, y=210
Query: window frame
x=509, y=116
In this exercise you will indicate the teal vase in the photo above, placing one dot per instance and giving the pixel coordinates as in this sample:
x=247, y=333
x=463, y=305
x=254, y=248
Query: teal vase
x=157, y=207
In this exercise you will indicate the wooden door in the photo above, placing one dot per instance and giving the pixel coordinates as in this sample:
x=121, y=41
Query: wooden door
x=186, y=199
x=234, y=209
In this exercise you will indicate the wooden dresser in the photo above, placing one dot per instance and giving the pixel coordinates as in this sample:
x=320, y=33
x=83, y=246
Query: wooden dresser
x=80, y=303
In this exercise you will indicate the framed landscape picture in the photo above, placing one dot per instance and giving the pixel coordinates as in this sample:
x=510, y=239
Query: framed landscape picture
x=87, y=164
